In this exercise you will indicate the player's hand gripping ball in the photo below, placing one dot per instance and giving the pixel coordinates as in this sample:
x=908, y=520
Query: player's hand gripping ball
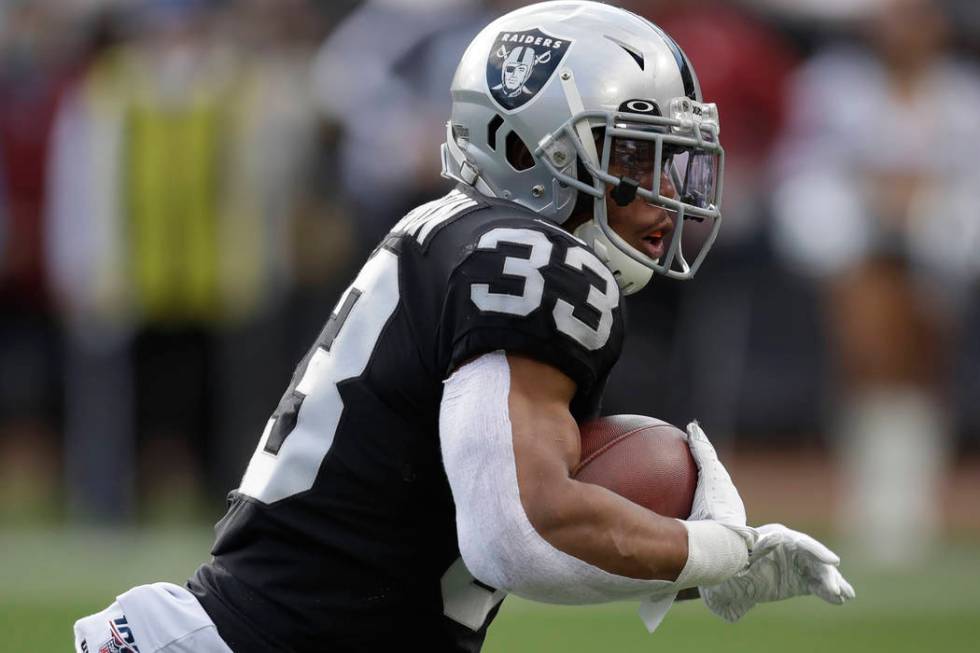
x=643, y=459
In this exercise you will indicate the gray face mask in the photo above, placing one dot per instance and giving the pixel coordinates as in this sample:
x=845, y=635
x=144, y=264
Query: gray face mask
x=674, y=162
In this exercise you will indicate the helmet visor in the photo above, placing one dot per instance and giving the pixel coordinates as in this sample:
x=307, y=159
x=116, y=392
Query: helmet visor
x=636, y=161
x=694, y=174
x=674, y=162
x=680, y=176
x=688, y=172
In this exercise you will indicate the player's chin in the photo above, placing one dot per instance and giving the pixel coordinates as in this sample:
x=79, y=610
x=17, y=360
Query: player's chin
x=654, y=246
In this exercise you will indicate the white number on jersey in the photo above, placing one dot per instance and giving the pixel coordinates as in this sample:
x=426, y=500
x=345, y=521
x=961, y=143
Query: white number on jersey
x=530, y=298
x=291, y=465
x=295, y=441
x=528, y=268
x=604, y=302
x=465, y=600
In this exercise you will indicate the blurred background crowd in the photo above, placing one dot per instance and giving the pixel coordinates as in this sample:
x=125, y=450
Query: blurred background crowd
x=187, y=185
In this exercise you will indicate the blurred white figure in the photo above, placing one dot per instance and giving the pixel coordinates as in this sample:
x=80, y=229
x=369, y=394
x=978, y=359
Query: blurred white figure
x=382, y=76
x=877, y=198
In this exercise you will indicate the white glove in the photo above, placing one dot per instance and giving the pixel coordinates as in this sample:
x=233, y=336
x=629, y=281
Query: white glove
x=784, y=563
x=715, y=497
x=719, y=542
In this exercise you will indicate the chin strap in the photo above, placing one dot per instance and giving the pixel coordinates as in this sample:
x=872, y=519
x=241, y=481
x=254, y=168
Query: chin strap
x=631, y=275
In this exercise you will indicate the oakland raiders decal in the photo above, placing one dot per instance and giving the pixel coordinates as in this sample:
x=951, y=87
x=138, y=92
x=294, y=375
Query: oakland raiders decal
x=520, y=64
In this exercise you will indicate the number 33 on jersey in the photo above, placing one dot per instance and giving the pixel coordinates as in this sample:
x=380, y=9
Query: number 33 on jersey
x=530, y=298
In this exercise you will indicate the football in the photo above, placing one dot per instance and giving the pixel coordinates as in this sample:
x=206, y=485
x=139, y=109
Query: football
x=643, y=459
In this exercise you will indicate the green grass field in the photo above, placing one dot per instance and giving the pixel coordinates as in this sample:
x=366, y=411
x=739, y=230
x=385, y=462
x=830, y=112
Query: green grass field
x=48, y=579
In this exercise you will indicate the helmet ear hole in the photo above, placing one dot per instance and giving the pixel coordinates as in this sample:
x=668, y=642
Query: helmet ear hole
x=492, y=128
x=518, y=155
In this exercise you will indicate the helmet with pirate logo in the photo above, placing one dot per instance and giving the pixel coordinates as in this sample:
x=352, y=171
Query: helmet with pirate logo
x=517, y=68
x=559, y=104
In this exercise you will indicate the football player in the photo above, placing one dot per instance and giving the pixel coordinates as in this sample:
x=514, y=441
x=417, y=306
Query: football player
x=417, y=469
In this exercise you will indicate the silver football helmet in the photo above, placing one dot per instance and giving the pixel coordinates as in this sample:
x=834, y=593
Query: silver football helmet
x=558, y=99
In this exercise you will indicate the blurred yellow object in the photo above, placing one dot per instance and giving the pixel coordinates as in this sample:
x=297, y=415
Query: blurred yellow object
x=171, y=191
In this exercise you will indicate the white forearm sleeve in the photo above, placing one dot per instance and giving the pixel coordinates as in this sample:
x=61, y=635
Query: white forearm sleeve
x=715, y=553
x=498, y=544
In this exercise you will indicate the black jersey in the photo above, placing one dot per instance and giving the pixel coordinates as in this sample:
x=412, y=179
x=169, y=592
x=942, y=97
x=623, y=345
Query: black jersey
x=342, y=534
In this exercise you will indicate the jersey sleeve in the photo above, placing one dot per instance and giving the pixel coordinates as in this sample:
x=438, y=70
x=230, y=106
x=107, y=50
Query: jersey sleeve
x=530, y=288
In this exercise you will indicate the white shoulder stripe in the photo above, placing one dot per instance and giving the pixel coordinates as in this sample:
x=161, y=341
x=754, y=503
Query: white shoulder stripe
x=421, y=221
x=559, y=229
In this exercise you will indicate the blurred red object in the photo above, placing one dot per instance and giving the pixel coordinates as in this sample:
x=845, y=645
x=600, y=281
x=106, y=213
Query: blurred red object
x=743, y=65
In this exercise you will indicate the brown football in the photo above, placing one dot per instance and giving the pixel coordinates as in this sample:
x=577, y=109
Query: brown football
x=641, y=458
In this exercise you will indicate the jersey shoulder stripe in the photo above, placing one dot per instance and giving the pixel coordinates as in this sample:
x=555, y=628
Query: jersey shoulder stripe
x=424, y=221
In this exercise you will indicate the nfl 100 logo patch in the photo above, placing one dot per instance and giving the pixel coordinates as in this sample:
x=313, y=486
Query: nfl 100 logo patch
x=122, y=640
x=521, y=63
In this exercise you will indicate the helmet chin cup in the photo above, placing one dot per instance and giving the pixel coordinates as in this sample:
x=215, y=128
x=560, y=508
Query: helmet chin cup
x=631, y=275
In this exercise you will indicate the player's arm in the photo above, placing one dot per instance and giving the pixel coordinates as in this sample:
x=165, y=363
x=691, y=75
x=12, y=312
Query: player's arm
x=509, y=443
x=521, y=288
x=600, y=527
x=586, y=521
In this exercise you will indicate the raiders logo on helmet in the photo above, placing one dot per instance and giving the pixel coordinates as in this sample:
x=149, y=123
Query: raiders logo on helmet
x=520, y=64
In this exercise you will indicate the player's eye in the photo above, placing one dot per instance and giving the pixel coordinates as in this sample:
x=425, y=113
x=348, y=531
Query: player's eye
x=632, y=158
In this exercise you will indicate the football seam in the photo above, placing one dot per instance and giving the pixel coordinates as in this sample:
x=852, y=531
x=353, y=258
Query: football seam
x=608, y=445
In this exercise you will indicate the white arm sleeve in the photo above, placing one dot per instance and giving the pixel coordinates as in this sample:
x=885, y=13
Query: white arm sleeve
x=498, y=544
